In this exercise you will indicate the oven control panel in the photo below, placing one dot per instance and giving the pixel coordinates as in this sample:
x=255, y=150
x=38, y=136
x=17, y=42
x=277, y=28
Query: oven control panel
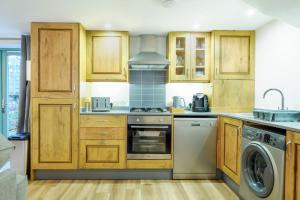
x=151, y=119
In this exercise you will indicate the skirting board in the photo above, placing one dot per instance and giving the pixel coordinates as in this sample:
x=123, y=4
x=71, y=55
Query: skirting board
x=232, y=185
x=102, y=174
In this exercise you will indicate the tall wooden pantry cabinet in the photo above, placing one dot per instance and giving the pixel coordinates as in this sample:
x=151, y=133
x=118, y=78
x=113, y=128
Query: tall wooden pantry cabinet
x=55, y=63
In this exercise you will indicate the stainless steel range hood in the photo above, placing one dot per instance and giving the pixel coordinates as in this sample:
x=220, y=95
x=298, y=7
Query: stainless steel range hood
x=148, y=57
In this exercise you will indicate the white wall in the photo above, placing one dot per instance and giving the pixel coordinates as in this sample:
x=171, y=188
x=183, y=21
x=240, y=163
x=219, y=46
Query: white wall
x=185, y=90
x=10, y=43
x=119, y=92
x=277, y=65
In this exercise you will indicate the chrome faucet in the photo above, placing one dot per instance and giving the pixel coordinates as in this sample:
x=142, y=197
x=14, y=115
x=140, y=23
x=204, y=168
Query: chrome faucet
x=282, y=97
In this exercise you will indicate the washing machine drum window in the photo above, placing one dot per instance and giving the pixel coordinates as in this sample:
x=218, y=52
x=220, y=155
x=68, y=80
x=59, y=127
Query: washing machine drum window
x=258, y=170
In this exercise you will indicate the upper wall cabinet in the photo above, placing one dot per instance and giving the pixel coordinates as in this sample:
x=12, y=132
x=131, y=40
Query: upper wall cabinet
x=179, y=56
x=189, y=54
x=107, y=56
x=234, y=54
x=54, y=60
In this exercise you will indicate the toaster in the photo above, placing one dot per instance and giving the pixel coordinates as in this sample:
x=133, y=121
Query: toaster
x=101, y=104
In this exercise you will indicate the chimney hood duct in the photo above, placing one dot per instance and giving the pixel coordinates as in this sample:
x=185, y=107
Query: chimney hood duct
x=148, y=58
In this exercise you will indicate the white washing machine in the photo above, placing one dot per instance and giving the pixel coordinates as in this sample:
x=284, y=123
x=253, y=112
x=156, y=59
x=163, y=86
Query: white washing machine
x=262, y=164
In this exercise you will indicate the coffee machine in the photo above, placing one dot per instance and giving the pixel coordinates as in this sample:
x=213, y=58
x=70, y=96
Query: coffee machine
x=200, y=103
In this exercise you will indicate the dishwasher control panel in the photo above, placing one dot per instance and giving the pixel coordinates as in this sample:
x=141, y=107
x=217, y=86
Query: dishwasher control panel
x=196, y=122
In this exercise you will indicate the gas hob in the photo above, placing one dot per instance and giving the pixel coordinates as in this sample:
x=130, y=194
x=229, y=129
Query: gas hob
x=148, y=110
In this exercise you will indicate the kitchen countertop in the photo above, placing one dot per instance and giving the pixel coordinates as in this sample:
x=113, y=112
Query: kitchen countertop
x=127, y=112
x=248, y=117
x=122, y=112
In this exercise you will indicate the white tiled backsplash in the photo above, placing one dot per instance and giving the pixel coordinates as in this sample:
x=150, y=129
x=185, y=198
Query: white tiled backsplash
x=119, y=92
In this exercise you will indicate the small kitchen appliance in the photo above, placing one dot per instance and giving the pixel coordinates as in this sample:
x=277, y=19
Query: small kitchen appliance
x=200, y=103
x=178, y=102
x=101, y=104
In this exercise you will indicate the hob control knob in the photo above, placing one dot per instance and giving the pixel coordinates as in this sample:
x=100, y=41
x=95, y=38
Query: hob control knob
x=138, y=120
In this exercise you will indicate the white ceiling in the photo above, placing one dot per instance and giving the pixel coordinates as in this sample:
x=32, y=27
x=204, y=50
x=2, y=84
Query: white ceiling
x=136, y=16
x=286, y=10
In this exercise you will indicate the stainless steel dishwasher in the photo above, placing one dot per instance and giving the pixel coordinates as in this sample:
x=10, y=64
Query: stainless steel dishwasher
x=195, y=148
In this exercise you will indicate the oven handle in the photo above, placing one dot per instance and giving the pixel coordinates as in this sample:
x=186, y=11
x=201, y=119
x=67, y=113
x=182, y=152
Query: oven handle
x=162, y=127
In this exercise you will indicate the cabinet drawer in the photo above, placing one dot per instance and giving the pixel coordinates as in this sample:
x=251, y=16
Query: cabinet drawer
x=102, y=154
x=103, y=133
x=103, y=121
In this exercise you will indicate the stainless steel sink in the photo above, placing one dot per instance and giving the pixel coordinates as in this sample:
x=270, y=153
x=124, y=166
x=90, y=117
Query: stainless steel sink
x=277, y=115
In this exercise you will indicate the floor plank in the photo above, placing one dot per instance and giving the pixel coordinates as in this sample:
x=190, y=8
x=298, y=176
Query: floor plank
x=129, y=190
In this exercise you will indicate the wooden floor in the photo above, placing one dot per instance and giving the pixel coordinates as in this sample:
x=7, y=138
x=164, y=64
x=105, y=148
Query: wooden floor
x=130, y=190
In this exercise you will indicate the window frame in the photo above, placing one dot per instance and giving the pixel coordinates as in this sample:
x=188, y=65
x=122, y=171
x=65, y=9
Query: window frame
x=4, y=53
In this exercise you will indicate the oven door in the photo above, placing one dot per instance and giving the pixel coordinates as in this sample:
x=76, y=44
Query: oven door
x=149, y=142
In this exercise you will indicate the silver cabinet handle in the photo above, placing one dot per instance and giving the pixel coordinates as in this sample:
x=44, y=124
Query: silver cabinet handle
x=103, y=120
x=74, y=88
x=287, y=145
x=103, y=133
x=74, y=105
x=103, y=142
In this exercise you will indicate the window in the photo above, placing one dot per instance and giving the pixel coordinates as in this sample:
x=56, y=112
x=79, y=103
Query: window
x=10, y=89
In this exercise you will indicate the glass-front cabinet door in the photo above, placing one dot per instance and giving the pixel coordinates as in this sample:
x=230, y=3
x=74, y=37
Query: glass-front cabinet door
x=179, y=55
x=200, y=52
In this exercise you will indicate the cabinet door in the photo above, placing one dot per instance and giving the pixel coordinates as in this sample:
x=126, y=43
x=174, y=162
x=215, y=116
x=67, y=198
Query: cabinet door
x=54, y=133
x=102, y=154
x=292, y=171
x=231, y=135
x=200, y=57
x=179, y=56
x=234, y=54
x=54, y=60
x=233, y=96
x=107, y=56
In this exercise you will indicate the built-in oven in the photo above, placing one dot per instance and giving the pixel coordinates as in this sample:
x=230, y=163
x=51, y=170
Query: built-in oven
x=149, y=137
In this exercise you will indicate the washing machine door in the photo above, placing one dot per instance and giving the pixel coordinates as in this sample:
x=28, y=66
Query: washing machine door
x=258, y=170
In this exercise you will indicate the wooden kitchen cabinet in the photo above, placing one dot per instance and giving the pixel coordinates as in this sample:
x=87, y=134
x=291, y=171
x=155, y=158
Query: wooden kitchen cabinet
x=232, y=96
x=102, y=154
x=233, y=54
x=107, y=56
x=292, y=166
x=179, y=56
x=54, y=133
x=189, y=55
x=54, y=60
x=229, y=146
x=103, y=141
x=103, y=121
x=57, y=54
